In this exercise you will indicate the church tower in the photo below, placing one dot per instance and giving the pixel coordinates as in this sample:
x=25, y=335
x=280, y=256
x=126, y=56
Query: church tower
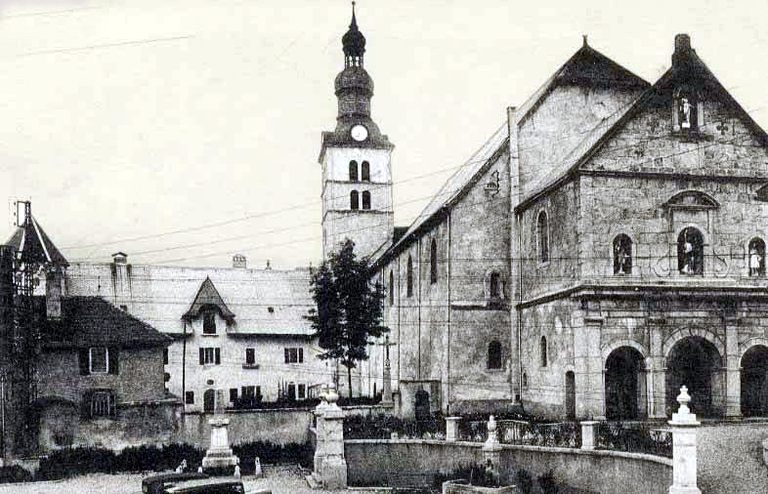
x=355, y=158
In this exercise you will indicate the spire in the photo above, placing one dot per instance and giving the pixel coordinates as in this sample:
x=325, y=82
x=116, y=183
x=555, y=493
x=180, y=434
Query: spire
x=354, y=43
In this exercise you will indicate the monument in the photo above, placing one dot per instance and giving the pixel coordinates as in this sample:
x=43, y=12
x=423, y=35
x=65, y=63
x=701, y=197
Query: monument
x=219, y=457
x=684, y=426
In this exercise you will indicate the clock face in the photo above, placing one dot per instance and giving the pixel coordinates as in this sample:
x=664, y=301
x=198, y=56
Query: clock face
x=359, y=133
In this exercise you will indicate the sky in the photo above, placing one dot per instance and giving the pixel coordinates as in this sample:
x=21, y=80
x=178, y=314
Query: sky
x=184, y=131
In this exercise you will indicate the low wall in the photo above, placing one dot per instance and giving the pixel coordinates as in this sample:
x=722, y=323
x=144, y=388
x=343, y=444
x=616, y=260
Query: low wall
x=413, y=462
x=281, y=427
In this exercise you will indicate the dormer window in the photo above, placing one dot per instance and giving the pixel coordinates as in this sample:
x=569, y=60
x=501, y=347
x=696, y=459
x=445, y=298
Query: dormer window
x=209, y=322
x=688, y=112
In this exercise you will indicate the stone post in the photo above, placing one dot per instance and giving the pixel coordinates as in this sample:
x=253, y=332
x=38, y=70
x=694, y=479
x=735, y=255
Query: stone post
x=732, y=369
x=588, y=430
x=684, y=426
x=386, y=388
x=331, y=466
x=452, y=429
x=319, y=431
x=492, y=447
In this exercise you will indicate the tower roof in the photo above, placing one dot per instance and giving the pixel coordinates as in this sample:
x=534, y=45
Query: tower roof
x=208, y=295
x=31, y=239
x=353, y=41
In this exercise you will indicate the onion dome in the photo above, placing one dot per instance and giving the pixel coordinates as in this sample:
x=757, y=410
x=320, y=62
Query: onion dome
x=356, y=79
x=353, y=41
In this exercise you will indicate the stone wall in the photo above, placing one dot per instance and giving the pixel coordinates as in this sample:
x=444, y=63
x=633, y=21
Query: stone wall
x=413, y=462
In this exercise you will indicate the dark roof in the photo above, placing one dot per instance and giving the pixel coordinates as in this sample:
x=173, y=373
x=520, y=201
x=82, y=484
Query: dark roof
x=208, y=295
x=32, y=239
x=92, y=321
x=353, y=40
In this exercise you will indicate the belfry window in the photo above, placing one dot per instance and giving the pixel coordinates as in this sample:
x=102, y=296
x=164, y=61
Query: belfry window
x=209, y=321
x=690, y=252
x=433, y=262
x=354, y=200
x=542, y=234
x=391, y=288
x=622, y=255
x=353, y=171
x=543, y=351
x=756, y=257
x=494, y=285
x=366, y=200
x=365, y=172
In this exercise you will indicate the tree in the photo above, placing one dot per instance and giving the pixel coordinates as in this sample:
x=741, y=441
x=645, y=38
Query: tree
x=348, y=308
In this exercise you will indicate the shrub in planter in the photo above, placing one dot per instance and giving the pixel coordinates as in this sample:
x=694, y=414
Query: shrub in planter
x=524, y=481
x=547, y=483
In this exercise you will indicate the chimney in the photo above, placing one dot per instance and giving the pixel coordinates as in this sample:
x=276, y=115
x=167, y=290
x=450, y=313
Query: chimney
x=269, y=266
x=53, y=290
x=682, y=49
x=121, y=280
x=239, y=261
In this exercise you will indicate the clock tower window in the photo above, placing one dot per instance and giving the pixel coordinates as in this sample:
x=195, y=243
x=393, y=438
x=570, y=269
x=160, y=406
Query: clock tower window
x=365, y=172
x=366, y=200
x=353, y=171
x=354, y=200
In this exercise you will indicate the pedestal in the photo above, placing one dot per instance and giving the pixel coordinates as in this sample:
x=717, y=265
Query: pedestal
x=330, y=464
x=588, y=429
x=219, y=456
x=386, y=388
x=492, y=447
x=452, y=429
x=684, y=425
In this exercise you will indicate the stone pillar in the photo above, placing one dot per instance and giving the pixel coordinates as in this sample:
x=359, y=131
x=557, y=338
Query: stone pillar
x=386, y=388
x=657, y=408
x=452, y=429
x=331, y=466
x=732, y=369
x=588, y=363
x=319, y=432
x=492, y=447
x=588, y=433
x=684, y=426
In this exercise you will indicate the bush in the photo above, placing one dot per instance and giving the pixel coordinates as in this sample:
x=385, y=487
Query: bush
x=524, y=481
x=382, y=426
x=14, y=473
x=547, y=483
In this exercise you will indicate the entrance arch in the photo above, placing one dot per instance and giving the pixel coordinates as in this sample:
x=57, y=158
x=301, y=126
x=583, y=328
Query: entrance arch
x=695, y=362
x=754, y=385
x=625, y=389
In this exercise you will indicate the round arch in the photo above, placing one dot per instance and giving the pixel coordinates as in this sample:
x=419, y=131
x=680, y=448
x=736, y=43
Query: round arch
x=749, y=344
x=608, y=349
x=681, y=334
x=754, y=380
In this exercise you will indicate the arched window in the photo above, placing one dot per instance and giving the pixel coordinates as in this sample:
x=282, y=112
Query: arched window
x=525, y=380
x=495, y=285
x=366, y=200
x=542, y=234
x=433, y=261
x=391, y=288
x=353, y=171
x=354, y=200
x=409, y=278
x=494, y=355
x=365, y=172
x=543, y=351
x=622, y=255
x=690, y=252
x=688, y=114
x=756, y=257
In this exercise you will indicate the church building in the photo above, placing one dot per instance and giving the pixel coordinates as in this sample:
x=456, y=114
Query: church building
x=605, y=246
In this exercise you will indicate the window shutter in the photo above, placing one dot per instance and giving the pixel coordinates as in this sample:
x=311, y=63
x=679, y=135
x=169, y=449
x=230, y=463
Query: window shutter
x=217, y=351
x=83, y=361
x=112, y=406
x=301, y=355
x=202, y=356
x=114, y=360
x=287, y=356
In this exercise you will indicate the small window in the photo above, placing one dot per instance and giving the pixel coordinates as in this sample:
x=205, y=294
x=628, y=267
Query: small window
x=433, y=262
x=365, y=172
x=124, y=308
x=271, y=310
x=690, y=252
x=353, y=171
x=543, y=350
x=99, y=357
x=294, y=355
x=409, y=278
x=354, y=200
x=622, y=255
x=102, y=404
x=494, y=355
x=542, y=233
x=366, y=200
x=232, y=395
x=756, y=257
x=291, y=391
x=494, y=288
x=250, y=356
x=165, y=356
x=189, y=397
x=209, y=322
x=249, y=392
x=391, y=288
x=525, y=380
